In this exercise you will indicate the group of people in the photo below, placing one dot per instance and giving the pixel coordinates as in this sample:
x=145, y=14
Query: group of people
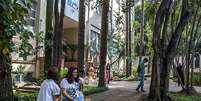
x=70, y=88
x=141, y=72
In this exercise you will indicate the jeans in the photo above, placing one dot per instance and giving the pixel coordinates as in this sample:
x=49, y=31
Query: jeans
x=141, y=84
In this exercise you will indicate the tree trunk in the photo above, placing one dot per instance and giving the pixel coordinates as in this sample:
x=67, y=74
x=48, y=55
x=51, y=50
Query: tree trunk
x=142, y=31
x=56, y=35
x=155, y=84
x=157, y=59
x=61, y=30
x=48, y=35
x=128, y=39
x=88, y=31
x=81, y=36
x=57, y=39
x=164, y=55
x=6, y=93
x=103, y=49
x=189, y=53
x=149, y=65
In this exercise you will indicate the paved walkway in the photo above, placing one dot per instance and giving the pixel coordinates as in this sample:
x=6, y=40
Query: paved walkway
x=119, y=91
x=125, y=91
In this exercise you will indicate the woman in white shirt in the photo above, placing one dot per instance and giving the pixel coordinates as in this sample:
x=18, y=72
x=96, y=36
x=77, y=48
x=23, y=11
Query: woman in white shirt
x=49, y=90
x=72, y=86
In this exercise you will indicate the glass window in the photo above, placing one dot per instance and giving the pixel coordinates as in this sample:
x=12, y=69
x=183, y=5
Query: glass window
x=73, y=3
x=95, y=41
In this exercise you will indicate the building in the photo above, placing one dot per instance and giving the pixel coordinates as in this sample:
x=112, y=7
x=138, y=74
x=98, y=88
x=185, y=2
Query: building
x=36, y=24
x=34, y=63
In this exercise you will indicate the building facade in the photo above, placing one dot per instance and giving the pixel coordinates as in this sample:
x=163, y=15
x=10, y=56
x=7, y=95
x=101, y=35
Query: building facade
x=34, y=63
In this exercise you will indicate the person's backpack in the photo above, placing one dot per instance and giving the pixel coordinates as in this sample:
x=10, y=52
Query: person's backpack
x=138, y=68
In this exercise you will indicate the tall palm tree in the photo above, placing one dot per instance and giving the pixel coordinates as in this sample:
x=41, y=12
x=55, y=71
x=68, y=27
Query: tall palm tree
x=103, y=49
x=81, y=36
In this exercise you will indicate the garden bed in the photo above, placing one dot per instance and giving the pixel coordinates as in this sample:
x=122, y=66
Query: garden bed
x=25, y=96
x=182, y=97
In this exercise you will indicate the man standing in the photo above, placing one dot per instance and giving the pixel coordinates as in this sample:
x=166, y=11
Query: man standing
x=180, y=75
x=141, y=74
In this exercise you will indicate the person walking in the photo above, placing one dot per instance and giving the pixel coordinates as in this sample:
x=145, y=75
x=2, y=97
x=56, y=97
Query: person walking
x=141, y=71
x=49, y=90
x=180, y=75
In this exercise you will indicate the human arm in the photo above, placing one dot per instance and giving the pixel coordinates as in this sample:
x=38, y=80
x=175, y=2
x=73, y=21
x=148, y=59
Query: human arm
x=56, y=93
x=57, y=98
x=66, y=95
x=64, y=85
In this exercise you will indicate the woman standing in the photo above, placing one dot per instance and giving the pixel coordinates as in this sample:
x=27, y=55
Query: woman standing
x=49, y=90
x=72, y=86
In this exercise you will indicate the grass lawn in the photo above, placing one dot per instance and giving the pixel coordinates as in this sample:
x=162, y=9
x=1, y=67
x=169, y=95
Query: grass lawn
x=197, y=79
x=180, y=97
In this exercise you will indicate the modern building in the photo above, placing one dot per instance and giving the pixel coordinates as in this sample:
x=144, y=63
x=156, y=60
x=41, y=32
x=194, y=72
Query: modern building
x=34, y=63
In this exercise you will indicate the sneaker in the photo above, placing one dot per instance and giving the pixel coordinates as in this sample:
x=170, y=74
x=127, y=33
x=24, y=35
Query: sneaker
x=137, y=90
x=143, y=90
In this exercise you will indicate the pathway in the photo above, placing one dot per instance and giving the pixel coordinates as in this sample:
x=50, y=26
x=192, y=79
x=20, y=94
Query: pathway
x=119, y=91
x=125, y=91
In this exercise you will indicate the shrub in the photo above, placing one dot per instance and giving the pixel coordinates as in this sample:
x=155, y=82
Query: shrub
x=134, y=72
x=23, y=96
x=40, y=80
x=179, y=97
x=115, y=78
x=63, y=72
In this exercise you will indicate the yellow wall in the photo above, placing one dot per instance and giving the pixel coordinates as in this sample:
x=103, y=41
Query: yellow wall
x=71, y=35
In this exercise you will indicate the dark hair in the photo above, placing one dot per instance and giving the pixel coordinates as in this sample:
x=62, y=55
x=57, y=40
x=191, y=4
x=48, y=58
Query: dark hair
x=53, y=73
x=69, y=76
x=145, y=60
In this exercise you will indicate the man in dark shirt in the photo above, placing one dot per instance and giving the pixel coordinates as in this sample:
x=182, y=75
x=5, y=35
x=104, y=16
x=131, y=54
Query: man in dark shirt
x=180, y=74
